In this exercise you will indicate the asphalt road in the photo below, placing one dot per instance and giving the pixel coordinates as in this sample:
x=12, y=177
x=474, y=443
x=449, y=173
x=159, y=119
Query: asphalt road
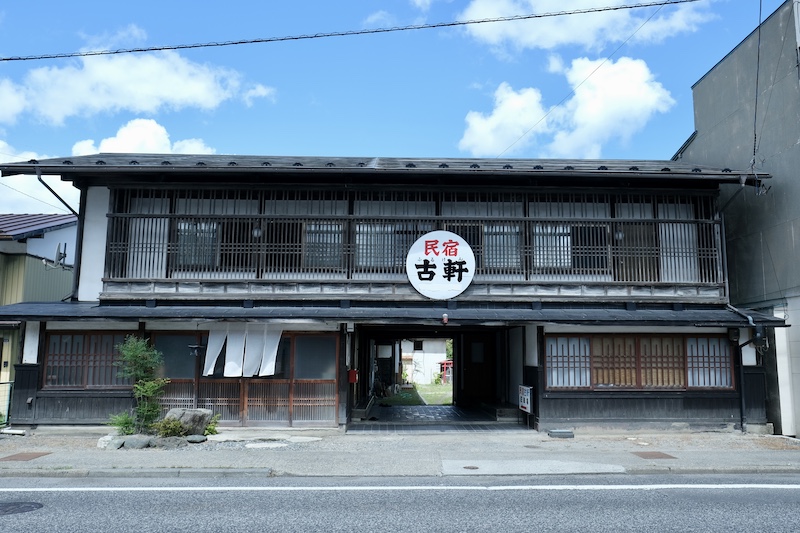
x=600, y=503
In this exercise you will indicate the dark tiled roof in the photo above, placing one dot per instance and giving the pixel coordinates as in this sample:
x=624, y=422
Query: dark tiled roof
x=706, y=317
x=117, y=164
x=17, y=227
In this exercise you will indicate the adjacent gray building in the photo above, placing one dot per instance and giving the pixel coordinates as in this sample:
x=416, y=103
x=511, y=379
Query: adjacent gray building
x=747, y=114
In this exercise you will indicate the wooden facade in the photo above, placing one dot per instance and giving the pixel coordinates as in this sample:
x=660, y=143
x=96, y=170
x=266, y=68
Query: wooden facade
x=270, y=284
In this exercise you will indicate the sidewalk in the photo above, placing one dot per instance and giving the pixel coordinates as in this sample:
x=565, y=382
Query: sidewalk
x=74, y=452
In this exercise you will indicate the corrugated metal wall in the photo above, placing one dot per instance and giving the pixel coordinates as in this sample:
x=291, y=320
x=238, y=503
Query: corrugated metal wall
x=26, y=279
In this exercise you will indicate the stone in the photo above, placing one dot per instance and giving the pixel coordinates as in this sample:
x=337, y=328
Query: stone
x=115, y=443
x=196, y=439
x=137, y=442
x=169, y=443
x=194, y=420
x=103, y=442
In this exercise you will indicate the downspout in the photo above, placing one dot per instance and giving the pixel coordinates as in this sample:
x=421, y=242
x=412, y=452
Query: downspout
x=751, y=322
x=54, y=193
x=78, y=234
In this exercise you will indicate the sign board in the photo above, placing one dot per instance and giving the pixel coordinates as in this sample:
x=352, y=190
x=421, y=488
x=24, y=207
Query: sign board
x=525, y=398
x=440, y=265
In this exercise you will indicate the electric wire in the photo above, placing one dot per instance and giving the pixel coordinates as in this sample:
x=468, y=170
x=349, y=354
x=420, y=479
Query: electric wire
x=348, y=33
x=755, y=104
x=60, y=208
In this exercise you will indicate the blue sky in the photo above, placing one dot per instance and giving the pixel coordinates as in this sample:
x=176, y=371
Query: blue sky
x=602, y=85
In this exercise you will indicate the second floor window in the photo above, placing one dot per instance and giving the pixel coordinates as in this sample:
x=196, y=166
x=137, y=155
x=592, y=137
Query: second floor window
x=365, y=235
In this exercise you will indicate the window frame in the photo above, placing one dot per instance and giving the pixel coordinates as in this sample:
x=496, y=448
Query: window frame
x=81, y=362
x=641, y=369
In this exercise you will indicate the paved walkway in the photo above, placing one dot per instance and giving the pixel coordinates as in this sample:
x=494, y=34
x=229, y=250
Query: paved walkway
x=386, y=419
x=74, y=452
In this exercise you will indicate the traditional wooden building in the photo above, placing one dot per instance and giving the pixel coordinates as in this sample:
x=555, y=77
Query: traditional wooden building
x=36, y=256
x=276, y=287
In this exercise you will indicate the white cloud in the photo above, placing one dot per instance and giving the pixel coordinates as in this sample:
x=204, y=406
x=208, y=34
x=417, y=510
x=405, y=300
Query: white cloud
x=14, y=102
x=610, y=102
x=141, y=136
x=423, y=5
x=259, y=91
x=516, y=118
x=24, y=194
x=140, y=83
x=379, y=19
x=589, y=30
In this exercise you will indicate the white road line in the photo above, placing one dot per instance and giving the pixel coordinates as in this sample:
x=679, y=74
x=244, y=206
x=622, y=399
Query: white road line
x=453, y=488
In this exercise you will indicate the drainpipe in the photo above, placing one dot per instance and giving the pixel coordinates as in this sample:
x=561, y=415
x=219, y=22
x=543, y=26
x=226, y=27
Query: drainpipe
x=76, y=272
x=54, y=193
x=751, y=322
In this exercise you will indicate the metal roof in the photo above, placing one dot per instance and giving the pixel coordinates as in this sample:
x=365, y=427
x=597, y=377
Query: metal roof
x=703, y=317
x=141, y=165
x=18, y=227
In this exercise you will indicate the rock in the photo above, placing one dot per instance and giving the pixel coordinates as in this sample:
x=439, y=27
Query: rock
x=196, y=439
x=194, y=420
x=115, y=443
x=103, y=442
x=137, y=442
x=169, y=443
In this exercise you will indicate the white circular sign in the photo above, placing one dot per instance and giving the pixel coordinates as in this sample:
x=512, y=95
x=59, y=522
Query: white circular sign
x=440, y=265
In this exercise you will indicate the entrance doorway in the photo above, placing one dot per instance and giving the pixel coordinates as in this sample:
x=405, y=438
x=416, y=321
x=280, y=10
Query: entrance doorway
x=439, y=375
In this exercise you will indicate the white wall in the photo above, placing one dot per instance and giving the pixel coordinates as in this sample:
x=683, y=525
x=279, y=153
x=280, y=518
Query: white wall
x=93, y=253
x=45, y=247
x=426, y=362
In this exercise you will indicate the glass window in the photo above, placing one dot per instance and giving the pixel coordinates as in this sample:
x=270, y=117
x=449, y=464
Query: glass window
x=709, y=362
x=645, y=362
x=179, y=362
x=568, y=362
x=315, y=357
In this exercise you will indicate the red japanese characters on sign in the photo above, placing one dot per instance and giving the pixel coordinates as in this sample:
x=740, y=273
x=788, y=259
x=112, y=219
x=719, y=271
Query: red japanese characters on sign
x=440, y=265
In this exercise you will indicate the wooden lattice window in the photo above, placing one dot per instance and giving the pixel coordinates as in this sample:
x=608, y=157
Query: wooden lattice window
x=83, y=361
x=638, y=362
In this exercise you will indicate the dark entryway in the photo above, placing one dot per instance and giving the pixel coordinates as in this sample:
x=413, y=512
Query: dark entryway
x=479, y=371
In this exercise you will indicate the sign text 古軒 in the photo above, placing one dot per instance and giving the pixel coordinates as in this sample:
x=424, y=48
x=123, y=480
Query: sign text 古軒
x=440, y=265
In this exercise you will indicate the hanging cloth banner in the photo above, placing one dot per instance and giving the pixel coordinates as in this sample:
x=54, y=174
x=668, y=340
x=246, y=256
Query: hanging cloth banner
x=253, y=349
x=272, y=340
x=234, y=351
x=216, y=340
x=250, y=349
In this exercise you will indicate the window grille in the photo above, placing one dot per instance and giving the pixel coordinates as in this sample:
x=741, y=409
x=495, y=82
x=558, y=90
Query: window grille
x=83, y=361
x=289, y=234
x=709, y=362
x=638, y=362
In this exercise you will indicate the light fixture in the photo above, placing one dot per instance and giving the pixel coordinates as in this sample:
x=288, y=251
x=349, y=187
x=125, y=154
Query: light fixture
x=257, y=232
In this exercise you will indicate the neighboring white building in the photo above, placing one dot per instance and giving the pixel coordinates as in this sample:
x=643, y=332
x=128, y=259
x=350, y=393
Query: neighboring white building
x=422, y=359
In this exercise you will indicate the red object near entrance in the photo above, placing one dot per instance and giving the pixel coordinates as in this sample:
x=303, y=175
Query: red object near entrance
x=352, y=376
x=446, y=368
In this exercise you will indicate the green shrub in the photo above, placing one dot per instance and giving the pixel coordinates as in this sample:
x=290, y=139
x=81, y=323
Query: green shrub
x=140, y=361
x=211, y=428
x=124, y=422
x=170, y=427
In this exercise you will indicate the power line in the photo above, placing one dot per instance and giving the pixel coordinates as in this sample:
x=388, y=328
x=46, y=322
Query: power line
x=339, y=34
x=29, y=196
